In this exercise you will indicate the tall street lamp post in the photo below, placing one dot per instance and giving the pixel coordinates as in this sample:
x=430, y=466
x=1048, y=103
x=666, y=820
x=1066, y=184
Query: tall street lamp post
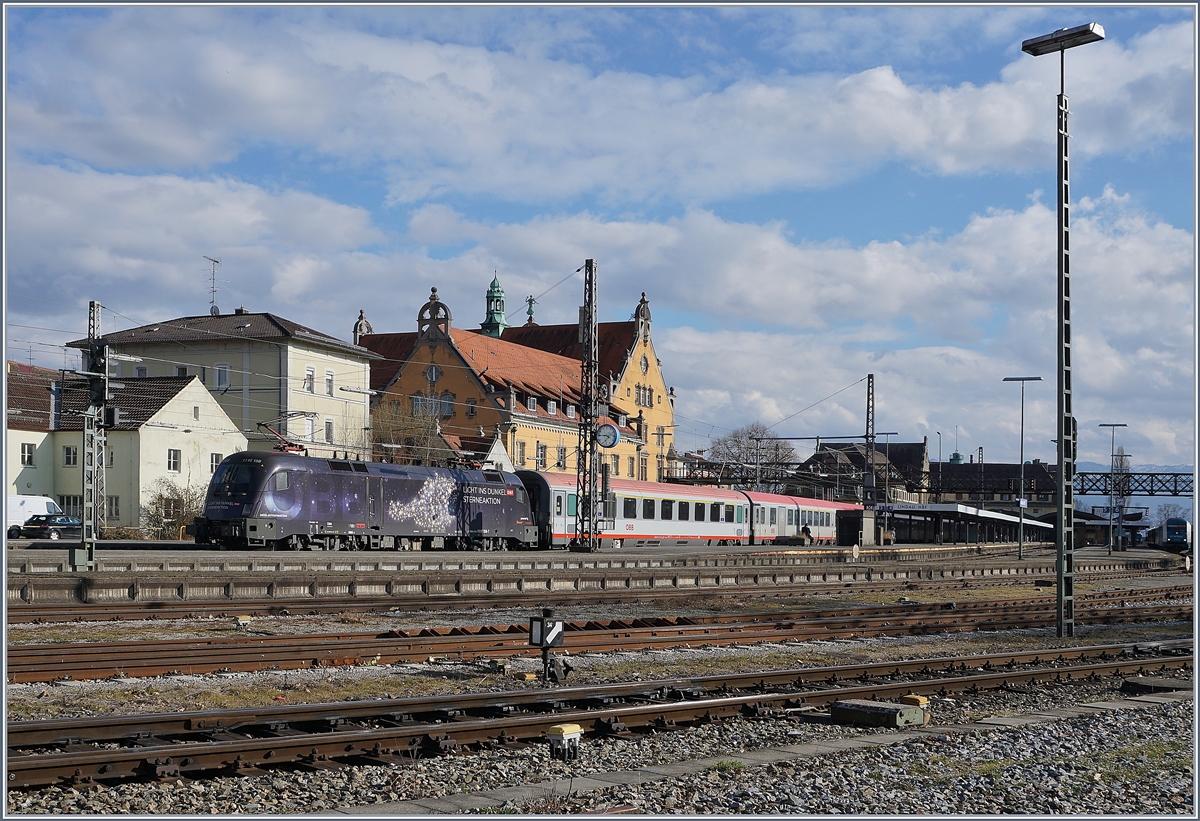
x=887, y=468
x=1112, y=470
x=1059, y=41
x=1021, y=501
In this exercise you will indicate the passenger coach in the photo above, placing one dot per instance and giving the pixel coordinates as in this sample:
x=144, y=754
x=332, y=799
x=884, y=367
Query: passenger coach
x=646, y=513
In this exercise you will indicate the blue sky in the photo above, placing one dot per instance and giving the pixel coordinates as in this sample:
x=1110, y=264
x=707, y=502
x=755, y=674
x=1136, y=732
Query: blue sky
x=806, y=194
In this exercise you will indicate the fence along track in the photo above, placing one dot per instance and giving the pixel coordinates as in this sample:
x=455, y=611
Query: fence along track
x=81, y=751
x=21, y=611
x=84, y=660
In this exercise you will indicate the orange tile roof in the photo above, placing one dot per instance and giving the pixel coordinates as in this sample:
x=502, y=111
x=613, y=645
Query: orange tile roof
x=530, y=370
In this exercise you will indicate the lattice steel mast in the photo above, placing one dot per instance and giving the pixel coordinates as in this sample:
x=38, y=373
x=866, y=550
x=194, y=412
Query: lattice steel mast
x=94, y=441
x=586, y=467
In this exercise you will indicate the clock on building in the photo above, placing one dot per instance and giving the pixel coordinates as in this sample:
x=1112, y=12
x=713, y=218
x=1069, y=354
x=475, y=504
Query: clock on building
x=607, y=436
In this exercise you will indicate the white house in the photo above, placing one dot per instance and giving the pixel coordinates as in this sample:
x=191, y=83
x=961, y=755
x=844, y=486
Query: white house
x=170, y=427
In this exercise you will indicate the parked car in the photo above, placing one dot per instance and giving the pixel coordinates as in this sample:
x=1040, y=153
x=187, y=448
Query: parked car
x=20, y=508
x=52, y=527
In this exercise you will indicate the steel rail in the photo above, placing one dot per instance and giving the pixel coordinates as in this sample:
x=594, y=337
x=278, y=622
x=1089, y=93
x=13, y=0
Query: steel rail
x=48, y=662
x=242, y=741
x=24, y=612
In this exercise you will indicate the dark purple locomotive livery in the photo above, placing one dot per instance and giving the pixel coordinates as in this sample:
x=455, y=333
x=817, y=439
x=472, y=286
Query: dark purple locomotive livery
x=286, y=501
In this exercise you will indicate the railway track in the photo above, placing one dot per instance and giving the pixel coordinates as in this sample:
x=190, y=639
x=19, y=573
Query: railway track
x=91, y=660
x=22, y=612
x=322, y=736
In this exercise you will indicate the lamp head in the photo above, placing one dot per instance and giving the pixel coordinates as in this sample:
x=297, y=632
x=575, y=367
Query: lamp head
x=1063, y=39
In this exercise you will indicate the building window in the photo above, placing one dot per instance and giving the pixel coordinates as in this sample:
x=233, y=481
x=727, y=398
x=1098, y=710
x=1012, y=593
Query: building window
x=112, y=458
x=418, y=405
x=140, y=372
x=71, y=505
x=310, y=379
x=570, y=411
x=521, y=454
x=112, y=507
x=540, y=459
x=616, y=465
x=308, y=429
x=329, y=431
x=447, y=405
x=531, y=403
x=643, y=466
x=470, y=408
x=329, y=383
x=181, y=370
x=174, y=460
x=221, y=376
x=214, y=462
x=27, y=451
x=552, y=407
x=630, y=467
x=70, y=456
x=561, y=464
x=196, y=412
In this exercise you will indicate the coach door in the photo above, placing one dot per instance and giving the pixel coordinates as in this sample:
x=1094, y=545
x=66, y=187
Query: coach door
x=375, y=503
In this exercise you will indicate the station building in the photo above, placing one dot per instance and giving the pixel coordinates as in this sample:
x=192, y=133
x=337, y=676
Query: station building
x=509, y=396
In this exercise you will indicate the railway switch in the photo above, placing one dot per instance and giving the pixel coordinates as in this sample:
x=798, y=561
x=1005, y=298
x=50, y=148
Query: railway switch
x=564, y=741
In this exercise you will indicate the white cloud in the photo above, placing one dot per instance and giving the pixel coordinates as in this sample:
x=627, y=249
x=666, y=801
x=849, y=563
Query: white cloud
x=197, y=88
x=750, y=324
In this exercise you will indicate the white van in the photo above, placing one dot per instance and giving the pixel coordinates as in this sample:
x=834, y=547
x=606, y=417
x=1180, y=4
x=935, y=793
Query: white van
x=20, y=508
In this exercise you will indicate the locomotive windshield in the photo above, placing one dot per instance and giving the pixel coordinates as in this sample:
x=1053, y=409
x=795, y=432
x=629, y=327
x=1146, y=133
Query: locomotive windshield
x=234, y=480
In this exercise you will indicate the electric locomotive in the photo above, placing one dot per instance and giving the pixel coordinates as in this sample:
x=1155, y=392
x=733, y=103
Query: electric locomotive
x=260, y=499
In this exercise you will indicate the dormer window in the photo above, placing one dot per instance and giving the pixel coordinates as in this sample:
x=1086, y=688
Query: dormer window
x=531, y=403
x=552, y=407
x=622, y=420
x=570, y=411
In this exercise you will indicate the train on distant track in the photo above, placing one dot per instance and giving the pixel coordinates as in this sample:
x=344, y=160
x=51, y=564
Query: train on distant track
x=279, y=500
x=1174, y=535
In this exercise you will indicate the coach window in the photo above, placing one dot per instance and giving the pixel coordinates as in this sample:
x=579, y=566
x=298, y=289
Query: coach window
x=716, y=512
x=572, y=500
x=729, y=513
x=773, y=514
x=647, y=508
x=699, y=511
x=683, y=511
x=558, y=505
x=630, y=508
x=668, y=509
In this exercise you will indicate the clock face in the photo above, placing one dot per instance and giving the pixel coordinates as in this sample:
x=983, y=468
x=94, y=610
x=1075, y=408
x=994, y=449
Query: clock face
x=645, y=364
x=607, y=436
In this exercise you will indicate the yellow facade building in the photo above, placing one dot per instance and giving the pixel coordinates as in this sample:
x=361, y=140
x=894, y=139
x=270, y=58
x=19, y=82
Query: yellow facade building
x=449, y=394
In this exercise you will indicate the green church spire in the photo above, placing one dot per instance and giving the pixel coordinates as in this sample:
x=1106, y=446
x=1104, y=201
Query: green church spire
x=495, y=323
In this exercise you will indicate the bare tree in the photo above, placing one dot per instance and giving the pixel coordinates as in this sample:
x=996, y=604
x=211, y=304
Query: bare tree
x=407, y=435
x=171, y=506
x=752, y=451
x=1170, y=510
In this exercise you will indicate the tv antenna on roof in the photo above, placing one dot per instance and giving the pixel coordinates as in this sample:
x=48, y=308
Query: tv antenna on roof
x=212, y=289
